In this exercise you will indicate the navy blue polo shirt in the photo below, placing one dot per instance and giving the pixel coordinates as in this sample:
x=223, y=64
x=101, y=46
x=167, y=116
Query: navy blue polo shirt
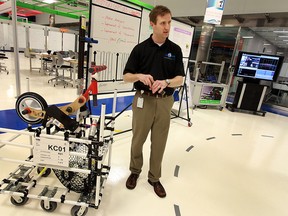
x=162, y=62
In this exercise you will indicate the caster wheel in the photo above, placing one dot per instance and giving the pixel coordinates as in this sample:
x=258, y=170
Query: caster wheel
x=19, y=201
x=78, y=211
x=221, y=108
x=45, y=173
x=49, y=208
x=189, y=124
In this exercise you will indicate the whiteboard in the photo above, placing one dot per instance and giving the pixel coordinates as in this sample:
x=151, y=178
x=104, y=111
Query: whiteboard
x=37, y=38
x=68, y=41
x=146, y=29
x=182, y=34
x=54, y=41
x=115, y=26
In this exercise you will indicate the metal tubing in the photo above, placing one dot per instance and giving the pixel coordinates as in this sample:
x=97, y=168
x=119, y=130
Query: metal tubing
x=99, y=165
x=28, y=84
x=16, y=144
x=112, y=126
x=16, y=48
x=205, y=62
x=45, y=135
x=221, y=72
x=241, y=95
x=50, y=166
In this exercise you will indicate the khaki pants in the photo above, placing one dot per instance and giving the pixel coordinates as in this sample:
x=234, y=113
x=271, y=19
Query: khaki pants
x=154, y=116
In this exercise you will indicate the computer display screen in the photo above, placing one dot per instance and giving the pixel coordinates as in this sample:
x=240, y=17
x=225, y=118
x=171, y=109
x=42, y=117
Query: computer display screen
x=258, y=66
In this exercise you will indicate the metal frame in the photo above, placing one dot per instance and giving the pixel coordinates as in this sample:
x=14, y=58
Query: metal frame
x=197, y=86
x=21, y=185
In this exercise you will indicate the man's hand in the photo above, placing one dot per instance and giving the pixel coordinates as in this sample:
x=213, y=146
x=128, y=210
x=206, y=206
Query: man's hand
x=146, y=79
x=158, y=86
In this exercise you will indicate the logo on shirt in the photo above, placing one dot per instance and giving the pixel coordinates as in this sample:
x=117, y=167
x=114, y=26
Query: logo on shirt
x=169, y=56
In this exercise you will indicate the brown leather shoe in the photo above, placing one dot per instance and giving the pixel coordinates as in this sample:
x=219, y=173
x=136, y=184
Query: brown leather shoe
x=132, y=181
x=158, y=188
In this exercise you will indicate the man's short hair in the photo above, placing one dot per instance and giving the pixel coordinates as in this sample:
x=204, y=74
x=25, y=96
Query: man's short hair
x=158, y=10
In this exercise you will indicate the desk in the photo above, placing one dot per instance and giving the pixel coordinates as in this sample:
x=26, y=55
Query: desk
x=41, y=55
x=72, y=62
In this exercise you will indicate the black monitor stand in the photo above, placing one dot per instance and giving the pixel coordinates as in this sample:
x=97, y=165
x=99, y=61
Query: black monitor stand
x=249, y=97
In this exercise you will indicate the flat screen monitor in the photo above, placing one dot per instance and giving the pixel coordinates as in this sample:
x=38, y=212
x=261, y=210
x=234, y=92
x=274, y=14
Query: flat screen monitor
x=257, y=66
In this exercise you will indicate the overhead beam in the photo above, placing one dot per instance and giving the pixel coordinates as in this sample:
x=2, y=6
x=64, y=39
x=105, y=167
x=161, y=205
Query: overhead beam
x=140, y=3
x=47, y=10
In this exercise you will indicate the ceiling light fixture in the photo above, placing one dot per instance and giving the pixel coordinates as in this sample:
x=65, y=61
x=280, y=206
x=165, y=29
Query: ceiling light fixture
x=49, y=1
x=266, y=44
x=247, y=37
x=280, y=31
x=282, y=36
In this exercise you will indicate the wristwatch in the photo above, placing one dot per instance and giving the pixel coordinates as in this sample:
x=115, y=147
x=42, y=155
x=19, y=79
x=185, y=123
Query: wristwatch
x=168, y=82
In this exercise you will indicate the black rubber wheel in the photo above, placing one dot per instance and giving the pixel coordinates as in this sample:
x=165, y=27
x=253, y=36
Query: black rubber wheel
x=46, y=172
x=51, y=208
x=75, y=209
x=32, y=100
x=19, y=202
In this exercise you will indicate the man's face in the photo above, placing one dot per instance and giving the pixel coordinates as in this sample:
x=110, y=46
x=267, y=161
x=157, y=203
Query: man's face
x=162, y=26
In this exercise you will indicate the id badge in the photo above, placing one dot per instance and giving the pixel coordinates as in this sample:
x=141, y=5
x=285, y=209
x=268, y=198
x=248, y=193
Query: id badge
x=140, y=102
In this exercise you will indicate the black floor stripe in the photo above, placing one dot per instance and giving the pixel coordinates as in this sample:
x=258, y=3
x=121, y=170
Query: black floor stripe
x=176, y=171
x=237, y=134
x=210, y=138
x=268, y=136
x=189, y=149
x=177, y=210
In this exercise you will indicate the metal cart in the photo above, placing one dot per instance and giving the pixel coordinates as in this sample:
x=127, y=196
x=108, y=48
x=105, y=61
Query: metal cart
x=80, y=160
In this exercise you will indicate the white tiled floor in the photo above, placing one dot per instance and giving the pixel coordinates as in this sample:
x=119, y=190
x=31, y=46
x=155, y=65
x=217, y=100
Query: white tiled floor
x=228, y=163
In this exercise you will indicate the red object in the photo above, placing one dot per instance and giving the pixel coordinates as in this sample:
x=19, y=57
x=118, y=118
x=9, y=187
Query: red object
x=97, y=68
x=93, y=89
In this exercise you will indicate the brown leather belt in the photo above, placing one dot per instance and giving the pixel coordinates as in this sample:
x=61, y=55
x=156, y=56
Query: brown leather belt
x=156, y=95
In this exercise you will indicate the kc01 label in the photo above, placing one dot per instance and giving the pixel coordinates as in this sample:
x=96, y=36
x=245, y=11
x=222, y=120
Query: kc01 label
x=51, y=152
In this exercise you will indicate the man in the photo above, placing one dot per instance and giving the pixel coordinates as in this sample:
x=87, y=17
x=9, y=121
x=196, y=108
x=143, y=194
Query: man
x=155, y=66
